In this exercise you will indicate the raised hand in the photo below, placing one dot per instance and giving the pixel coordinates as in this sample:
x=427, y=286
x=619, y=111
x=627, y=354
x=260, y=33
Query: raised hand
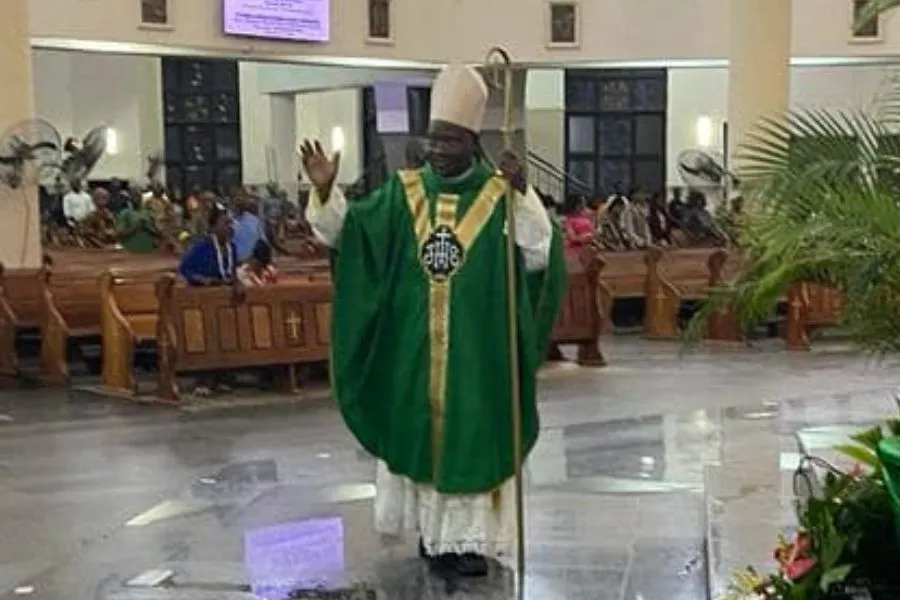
x=321, y=169
x=512, y=169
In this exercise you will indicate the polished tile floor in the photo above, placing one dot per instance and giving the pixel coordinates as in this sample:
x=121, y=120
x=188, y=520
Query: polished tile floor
x=106, y=501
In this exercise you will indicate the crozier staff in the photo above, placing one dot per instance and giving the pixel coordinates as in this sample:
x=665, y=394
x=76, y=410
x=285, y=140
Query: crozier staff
x=420, y=335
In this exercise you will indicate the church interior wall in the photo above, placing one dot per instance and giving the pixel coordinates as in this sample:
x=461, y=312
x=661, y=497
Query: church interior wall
x=76, y=91
x=696, y=95
x=335, y=118
x=614, y=30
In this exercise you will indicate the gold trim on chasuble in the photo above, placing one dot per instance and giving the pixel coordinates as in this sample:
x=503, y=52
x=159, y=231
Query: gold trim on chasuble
x=439, y=288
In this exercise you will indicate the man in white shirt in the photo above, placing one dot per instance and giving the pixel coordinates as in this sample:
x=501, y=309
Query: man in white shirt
x=77, y=204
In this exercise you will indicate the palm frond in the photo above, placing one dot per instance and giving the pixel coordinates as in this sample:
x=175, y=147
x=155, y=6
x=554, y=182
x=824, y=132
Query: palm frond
x=823, y=195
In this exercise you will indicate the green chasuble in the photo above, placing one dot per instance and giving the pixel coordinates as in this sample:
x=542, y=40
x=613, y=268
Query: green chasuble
x=420, y=351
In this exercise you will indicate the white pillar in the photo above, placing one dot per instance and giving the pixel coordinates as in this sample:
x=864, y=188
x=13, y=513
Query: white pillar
x=283, y=133
x=759, y=65
x=20, y=243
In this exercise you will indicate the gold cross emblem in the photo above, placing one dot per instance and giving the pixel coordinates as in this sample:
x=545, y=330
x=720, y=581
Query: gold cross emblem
x=294, y=322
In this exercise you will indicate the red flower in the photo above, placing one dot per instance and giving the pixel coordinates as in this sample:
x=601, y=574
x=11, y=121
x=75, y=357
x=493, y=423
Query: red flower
x=799, y=568
x=791, y=558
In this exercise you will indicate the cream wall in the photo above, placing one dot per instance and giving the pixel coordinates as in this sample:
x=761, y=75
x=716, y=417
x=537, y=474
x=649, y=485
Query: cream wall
x=319, y=113
x=696, y=93
x=430, y=31
x=76, y=92
x=545, y=114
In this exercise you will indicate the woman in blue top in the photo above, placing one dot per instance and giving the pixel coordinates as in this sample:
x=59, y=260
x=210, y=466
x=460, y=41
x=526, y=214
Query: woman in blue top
x=211, y=259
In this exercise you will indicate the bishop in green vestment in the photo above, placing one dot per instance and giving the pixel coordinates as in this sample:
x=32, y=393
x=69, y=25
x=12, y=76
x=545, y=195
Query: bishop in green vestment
x=420, y=341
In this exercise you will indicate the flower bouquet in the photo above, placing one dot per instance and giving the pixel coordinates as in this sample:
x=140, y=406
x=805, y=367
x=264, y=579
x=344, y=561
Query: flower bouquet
x=846, y=546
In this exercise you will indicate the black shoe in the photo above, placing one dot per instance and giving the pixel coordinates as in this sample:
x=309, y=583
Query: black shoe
x=422, y=552
x=471, y=565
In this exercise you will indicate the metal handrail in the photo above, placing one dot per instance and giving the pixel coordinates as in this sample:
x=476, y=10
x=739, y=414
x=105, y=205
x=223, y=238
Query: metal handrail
x=553, y=180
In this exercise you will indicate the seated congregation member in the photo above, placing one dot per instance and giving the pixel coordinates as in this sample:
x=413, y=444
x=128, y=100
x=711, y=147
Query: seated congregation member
x=634, y=223
x=609, y=226
x=248, y=228
x=419, y=344
x=136, y=229
x=258, y=270
x=98, y=229
x=198, y=214
x=699, y=224
x=579, y=227
x=210, y=262
x=658, y=221
x=211, y=259
x=77, y=204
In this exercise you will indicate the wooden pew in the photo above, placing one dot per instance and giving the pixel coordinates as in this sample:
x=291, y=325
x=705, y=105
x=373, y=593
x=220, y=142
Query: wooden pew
x=71, y=305
x=20, y=302
x=70, y=308
x=129, y=317
x=620, y=275
x=580, y=321
x=810, y=306
x=723, y=325
x=672, y=277
x=203, y=329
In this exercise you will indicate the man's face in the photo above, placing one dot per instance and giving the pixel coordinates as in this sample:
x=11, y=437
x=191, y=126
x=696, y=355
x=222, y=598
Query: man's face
x=101, y=198
x=451, y=148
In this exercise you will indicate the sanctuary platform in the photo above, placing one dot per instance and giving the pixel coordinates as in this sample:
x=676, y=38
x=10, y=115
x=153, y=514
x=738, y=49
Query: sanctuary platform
x=638, y=466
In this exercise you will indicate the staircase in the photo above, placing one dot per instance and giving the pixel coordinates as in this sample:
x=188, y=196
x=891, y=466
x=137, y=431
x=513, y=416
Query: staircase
x=550, y=179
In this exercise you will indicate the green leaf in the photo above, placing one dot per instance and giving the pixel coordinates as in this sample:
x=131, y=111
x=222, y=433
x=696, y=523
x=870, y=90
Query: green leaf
x=893, y=426
x=860, y=454
x=834, y=575
x=869, y=438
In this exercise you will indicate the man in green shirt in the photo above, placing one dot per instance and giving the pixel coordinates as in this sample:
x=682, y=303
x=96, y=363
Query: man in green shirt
x=420, y=341
x=136, y=231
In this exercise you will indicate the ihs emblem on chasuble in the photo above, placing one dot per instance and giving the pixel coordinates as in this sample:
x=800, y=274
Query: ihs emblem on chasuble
x=442, y=254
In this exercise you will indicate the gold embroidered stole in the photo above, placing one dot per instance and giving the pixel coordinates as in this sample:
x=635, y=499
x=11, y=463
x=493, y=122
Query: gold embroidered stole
x=439, y=290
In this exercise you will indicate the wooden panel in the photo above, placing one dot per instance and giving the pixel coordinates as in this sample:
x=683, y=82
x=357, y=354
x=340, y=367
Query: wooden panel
x=228, y=329
x=270, y=316
x=194, y=339
x=323, y=323
x=261, y=324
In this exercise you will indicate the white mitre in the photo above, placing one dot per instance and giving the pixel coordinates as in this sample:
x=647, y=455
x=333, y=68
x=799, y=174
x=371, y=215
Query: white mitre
x=459, y=96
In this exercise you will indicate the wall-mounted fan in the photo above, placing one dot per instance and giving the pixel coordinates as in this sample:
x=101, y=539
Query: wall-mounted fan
x=30, y=152
x=82, y=155
x=701, y=170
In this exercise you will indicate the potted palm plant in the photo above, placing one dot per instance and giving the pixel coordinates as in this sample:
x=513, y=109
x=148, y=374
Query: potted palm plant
x=822, y=191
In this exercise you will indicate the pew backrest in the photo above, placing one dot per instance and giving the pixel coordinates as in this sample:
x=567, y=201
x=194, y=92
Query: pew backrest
x=72, y=298
x=132, y=299
x=623, y=274
x=687, y=270
x=203, y=328
x=20, y=296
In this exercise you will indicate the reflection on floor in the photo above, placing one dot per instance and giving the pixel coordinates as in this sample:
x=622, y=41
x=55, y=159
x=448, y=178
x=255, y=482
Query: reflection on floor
x=103, y=501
